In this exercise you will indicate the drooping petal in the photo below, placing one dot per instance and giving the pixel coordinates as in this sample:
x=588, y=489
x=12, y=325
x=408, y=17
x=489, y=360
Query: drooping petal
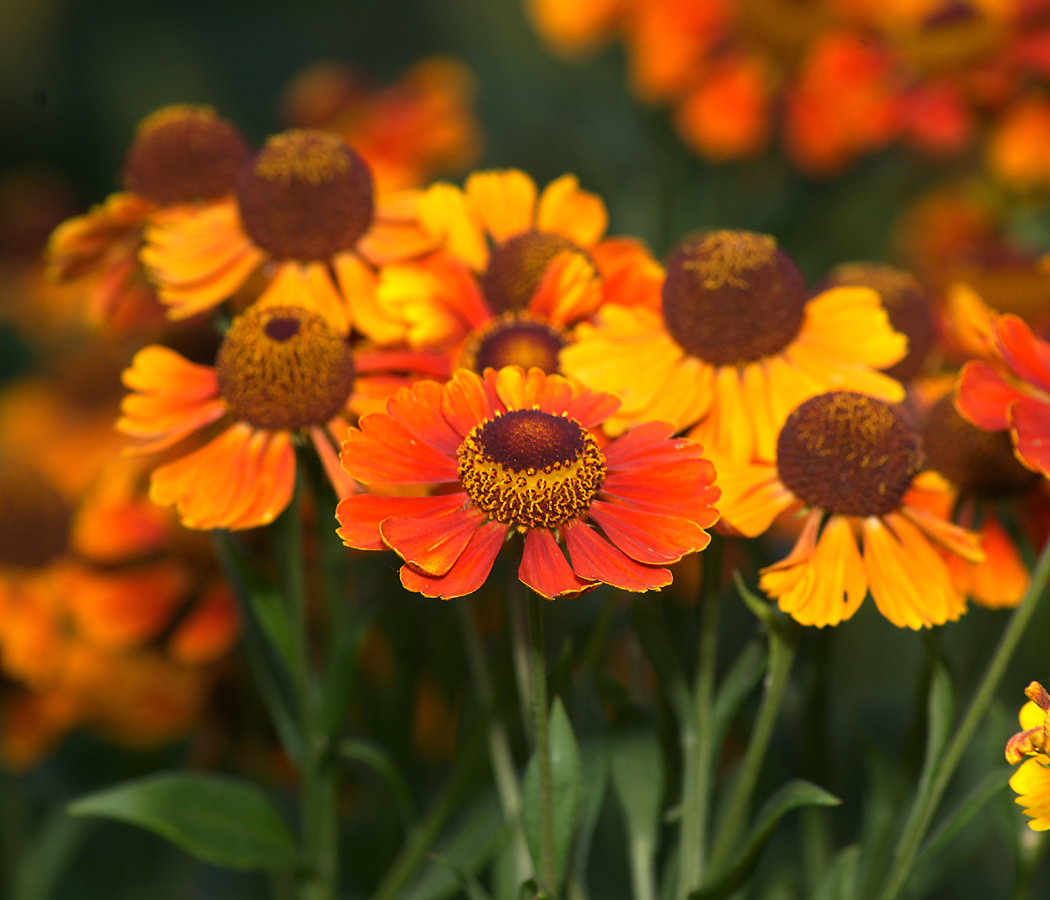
x=361, y=515
x=434, y=543
x=325, y=442
x=595, y=559
x=647, y=537
x=470, y=570
x=1023, y=352
x=983, y=396
x=752, y=497
x=544, y=568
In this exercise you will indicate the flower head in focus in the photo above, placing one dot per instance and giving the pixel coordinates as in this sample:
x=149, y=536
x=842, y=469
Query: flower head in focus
x=513, y=453
x=1032, y=781
x=850, y=461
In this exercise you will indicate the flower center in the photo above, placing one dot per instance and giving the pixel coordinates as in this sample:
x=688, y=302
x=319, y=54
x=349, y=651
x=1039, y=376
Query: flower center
x=307, y=195
x=848, y=454
x=732, y=297
x=34, y=518
x=980, y=462
x=283, y=367
x=513, y=340
x=906, y=305
x=516, y=269
x=531, y=469
x=182, y=153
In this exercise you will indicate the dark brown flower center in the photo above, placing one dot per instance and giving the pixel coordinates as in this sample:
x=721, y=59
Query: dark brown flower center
x=306, y=195
x=732, y=297
x=531, y=469
x=848, y=454
x=517, y=267
x=906, y=305
x=513, y=340
x=34, y=518
x=284, y=367
x=183, y=153
x=977, y=461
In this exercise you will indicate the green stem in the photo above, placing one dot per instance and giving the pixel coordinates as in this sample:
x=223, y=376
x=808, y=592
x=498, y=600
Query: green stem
x=697, y=736
x=543, y=747
x=520, y=652
x=643, y=877
x=928, y=799
x=499, y=746
x=781, y=657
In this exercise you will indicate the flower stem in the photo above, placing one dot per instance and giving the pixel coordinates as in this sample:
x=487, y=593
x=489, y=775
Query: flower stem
x=928, y=799
x=781, y=656
x=543, y=748
x=499, y=746
x=697, y=735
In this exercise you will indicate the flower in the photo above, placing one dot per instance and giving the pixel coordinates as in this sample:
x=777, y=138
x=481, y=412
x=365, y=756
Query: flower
x=182, y=161
x=1032, y=780
x=406, y=132
x=1013, y=393
x=1015, y=150
x=850, y=461
x=735, y=346
x=512, y=453
x=304, y=203
x=517, y=270
x=281, y=373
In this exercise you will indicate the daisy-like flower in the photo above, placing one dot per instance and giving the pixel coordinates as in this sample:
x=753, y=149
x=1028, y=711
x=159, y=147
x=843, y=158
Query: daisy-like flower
x=305, y=213
x=282, y=373
x=983, y=476
x=850, y=461
x=736, y=345
x=1013, y=392
x=516, y=271
x=182, y=161
x=513, y=453
x=1032, y=781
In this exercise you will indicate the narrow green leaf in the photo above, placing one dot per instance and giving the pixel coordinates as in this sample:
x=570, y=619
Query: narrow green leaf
x=939, y=714
x=657, y=646
x=791, y=796
x=217, y=819
x=382, y=763
x=840, y=880
x=762, y=610
x=469, y=845
x=638, y=780
x=742, y=678
x=468, y=882
x=961, y=816
x=565, y=790
x=594, y=760
x=44, y=861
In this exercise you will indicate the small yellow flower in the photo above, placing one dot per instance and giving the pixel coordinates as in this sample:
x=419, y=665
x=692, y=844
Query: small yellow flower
x=1031, y=782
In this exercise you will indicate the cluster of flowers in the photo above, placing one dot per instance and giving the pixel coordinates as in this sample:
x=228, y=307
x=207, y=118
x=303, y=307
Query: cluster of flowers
x=846, y=77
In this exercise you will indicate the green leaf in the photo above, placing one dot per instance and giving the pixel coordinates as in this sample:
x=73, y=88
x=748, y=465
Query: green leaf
x=840, y=880
x=762, y=610
x=657, y=646
x=42, y=864
x=469, y=845
x=742, y=678
x=566, y=775
x=467, y=881
x=961, y=816
x=382, y=763
x=219, y=820
x=939, y=713
x=594, y=760
x=791, y=796
x=638, y=780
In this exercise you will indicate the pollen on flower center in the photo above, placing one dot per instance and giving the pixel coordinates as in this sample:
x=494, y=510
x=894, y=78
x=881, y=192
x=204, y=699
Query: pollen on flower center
x=516, y=268
x=514, y=340
x=847, y=453
x=306, y=195
x=182, y=153
x=531, y=469
x=733, y=297
x=978, y=461
x=283, y=367
x=34, y=518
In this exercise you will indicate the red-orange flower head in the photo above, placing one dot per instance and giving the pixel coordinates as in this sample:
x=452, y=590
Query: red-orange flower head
x=513, y=452
x=306, y=195
x=183, y=153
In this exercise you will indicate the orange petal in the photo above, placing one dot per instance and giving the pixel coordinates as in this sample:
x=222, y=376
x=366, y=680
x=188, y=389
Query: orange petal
x=983, y=396
x=596, y=559
x=383, y=451
x=566, y=210
x=1023, y=352
x=419, y=410
x=503, y=201
x=466, y=402
x=470, y=570
x=433, y=543
x=545, y=569
x=569, y=290
x=630, y=275
x=361, y=515
x=446, y=213
x=1030, y=430
x=310, y=287
x=647, y=537
x=209, y=632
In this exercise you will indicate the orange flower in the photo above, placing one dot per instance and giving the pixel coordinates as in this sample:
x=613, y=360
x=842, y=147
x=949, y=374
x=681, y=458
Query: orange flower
x=183, y=160
x=517, y=271
x=1014, y=393
x=512, y=453
x=421, y=125
x=736, y=346
x=1017, y=150
x=305, y=203
x=1032, y=780
x=281, y=372
x=852, y=459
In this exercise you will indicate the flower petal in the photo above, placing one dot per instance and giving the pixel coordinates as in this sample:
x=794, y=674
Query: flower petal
x=596, y=559
x=1023, y=352
x=361, y=515
x=983, y=396
x=1030, y=430
x=648, y=537
x=470, y=570
x=545, y=569
x=466, y=402
x=383, y=451
x=434, y=543
x=566, y=210
x=503, y=201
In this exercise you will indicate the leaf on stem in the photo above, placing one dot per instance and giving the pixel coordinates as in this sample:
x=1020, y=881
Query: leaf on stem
x=638, y=780
x=566, y=776
x=741, y=679
x=939, y=714
x=218, y=820
x=791, y=796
